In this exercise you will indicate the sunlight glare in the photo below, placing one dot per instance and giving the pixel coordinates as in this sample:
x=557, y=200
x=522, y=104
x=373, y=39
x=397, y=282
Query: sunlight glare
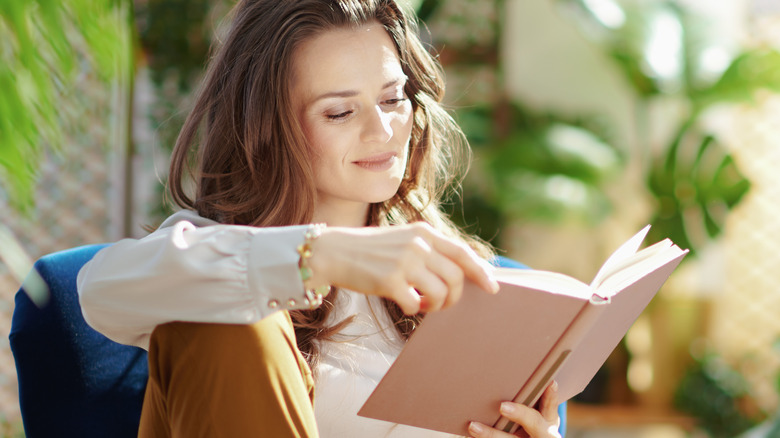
x=608, y=12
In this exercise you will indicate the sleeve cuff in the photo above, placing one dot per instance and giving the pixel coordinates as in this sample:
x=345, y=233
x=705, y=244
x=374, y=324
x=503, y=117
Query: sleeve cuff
x=272, y=267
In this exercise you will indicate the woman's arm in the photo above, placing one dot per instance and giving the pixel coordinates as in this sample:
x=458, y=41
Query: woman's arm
x=209, y=273
x=238, y=274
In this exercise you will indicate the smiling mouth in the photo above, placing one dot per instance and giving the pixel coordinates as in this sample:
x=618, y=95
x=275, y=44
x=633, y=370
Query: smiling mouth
x=378, y=162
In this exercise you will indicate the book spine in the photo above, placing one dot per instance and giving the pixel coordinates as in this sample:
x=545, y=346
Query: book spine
x=545, y=373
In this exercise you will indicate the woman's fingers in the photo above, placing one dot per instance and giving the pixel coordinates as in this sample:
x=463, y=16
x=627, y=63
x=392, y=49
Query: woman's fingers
x=433, y=290
x=387, y=261
x=450, y=261
x=450, y=280
x=543, y=423
x=408, y=300
x=532, y=423
x=474, y=268
x=548, y=404
x=479, y=430
x=438, y=279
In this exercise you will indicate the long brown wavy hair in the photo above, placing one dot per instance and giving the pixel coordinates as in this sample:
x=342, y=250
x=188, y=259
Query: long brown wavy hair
x=243, y=151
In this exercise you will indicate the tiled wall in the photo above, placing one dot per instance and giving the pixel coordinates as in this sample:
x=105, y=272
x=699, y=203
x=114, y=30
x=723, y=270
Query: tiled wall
x=746, y=322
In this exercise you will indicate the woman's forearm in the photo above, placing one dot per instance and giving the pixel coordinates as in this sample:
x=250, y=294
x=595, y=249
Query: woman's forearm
x=216, y=273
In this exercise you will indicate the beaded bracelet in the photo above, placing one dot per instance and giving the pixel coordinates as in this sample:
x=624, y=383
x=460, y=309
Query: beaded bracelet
x=313, y=295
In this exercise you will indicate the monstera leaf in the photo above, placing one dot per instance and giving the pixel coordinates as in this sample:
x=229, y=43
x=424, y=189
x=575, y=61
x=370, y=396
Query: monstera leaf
x=664, y=49
x=696, y=182
x=752, y=70
x=695, y=187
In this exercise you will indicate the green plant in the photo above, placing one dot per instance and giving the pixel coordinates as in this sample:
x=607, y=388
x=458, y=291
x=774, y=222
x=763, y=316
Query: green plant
x=713, y=393
x=666, y=50
x=771, y=427
x=533, y=168
x=528, y=166
x=523, y=173
x=45, y=45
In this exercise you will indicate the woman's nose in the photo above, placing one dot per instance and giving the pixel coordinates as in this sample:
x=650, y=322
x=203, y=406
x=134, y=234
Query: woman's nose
x=377, y=126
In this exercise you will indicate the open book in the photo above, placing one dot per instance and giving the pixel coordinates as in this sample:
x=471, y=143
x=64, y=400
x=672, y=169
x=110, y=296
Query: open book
x=462, y=362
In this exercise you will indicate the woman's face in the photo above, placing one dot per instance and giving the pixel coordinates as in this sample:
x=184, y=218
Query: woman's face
x=348, y=91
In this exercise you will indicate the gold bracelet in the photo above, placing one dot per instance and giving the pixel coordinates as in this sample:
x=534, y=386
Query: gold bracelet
x=313, y=296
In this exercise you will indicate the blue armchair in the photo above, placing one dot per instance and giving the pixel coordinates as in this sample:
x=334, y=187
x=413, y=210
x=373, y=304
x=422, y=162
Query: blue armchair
x=73, y=381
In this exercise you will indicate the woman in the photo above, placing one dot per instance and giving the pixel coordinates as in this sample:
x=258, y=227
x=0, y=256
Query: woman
x=322, y=112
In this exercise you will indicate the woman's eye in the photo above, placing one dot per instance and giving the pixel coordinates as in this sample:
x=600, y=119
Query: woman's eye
x=395, y=101
x=339, y=116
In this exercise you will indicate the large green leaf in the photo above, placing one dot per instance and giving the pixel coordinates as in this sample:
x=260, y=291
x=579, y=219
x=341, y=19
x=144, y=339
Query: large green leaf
x=750, y=72
x=695, y=184
x=664, y=48
x=542, y=169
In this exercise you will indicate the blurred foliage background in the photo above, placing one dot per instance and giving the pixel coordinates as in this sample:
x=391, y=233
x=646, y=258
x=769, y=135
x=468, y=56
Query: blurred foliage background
x=533, y=165
x=46, y=46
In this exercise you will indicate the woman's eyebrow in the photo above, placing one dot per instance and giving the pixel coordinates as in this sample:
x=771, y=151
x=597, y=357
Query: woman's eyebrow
x=395, y=81
x=330, y=94
x=352, y=93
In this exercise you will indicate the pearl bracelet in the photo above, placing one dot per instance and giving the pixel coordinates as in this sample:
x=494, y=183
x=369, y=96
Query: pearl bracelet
x=313, y=296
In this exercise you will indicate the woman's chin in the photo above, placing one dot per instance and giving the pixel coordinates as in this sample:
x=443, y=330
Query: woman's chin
x=385, y=195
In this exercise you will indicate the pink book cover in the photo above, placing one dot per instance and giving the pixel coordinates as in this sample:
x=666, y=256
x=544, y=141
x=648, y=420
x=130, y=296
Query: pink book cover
x=462, y=362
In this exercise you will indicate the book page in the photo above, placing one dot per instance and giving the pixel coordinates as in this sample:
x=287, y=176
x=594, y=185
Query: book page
x=637, y=266
x=626, y=250
x=626, y=265
x=548, y=281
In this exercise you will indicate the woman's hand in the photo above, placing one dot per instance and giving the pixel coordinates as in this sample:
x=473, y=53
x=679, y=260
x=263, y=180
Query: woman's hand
x=414, y=265
x=543, y=423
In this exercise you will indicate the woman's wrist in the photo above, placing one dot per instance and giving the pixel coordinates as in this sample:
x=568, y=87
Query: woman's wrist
x=314, y=288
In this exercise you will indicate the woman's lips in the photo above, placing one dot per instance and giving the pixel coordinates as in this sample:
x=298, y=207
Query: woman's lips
x=377, y=163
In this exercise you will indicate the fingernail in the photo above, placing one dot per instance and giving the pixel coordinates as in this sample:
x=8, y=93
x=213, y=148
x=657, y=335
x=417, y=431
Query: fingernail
x=554, y=385
x=425, y=304
x=491, y=282
x=508, y=408
x=476, y=428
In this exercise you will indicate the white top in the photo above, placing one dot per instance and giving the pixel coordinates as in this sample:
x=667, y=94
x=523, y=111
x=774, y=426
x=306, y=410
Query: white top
x=193, y=269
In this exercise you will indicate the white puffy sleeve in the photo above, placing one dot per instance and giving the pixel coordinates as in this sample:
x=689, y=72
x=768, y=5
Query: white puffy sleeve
x=191, y=269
